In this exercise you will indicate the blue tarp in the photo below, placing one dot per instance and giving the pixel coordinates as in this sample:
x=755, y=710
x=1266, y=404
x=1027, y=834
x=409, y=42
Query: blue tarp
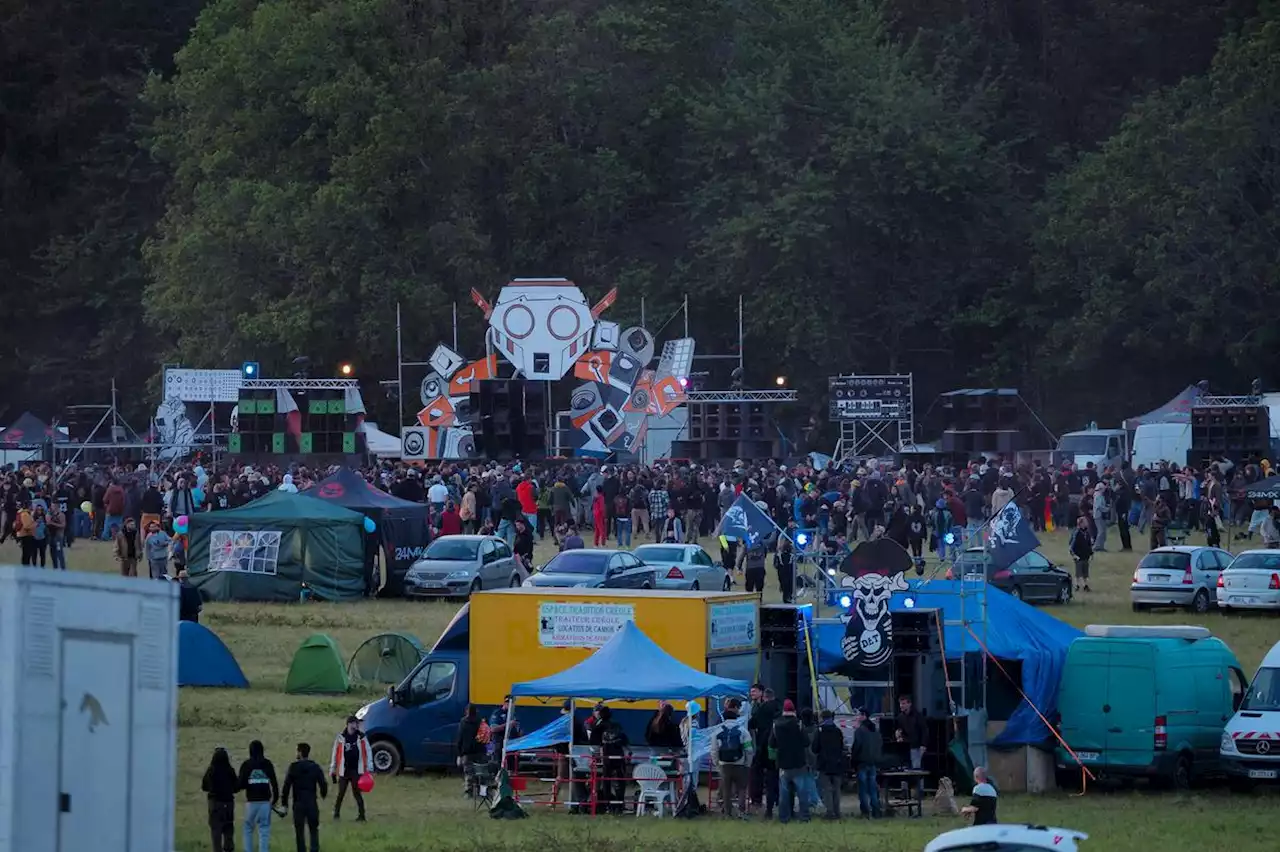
x=1014, y=631
x=204, y=661
x=630, y=666
x=553, y=733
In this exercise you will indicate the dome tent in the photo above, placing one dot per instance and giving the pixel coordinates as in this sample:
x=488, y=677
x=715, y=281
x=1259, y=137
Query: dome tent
x=269, y=549
x=385, y=659
x=203, y=659
x=317, y=668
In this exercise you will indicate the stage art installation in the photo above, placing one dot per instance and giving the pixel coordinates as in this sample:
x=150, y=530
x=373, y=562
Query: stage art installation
x=545, y=330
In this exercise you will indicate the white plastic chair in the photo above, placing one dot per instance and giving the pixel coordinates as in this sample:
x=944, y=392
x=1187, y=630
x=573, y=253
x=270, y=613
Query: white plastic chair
x=654, y=789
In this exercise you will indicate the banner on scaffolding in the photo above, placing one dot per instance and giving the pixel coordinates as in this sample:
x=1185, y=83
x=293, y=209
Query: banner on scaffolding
x=872, y=573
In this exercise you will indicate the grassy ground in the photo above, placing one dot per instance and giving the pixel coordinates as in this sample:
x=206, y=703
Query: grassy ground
x=419, y=812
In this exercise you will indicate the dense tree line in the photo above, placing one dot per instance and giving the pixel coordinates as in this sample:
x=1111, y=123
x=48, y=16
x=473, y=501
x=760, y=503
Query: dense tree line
x=1077, y=198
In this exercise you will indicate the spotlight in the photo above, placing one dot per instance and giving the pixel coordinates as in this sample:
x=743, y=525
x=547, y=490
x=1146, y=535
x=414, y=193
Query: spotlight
x=802, y=539
x=909, y=602
x=684, y=383
x=249, y=369
x=781, y=381
x=846, y=601
x=831, y=572
x=949, y=538
x=346, y=370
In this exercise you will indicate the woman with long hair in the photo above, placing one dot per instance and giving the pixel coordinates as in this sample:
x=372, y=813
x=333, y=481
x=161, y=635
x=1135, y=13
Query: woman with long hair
x=220, y=784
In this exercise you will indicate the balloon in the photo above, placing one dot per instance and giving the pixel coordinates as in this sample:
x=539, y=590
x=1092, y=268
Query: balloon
x=369, y=527
x=86, y=507
x=365, y=783
x=197, y=495
x=180, y=525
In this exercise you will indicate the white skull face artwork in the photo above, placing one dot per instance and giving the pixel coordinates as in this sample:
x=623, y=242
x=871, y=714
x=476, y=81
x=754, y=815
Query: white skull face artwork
x=868, y=632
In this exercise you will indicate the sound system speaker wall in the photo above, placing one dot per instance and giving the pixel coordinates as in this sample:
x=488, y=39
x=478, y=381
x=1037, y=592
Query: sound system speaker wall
x=1231, y=430
x=508, y=418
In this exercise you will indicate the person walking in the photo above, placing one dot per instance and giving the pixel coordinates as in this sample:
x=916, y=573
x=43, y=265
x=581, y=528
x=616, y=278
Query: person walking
x=304, y=780
x=349, y=760
x=1080, y=545
x=828, y=745
x=220, y=786
x=128, y=548
x=865, y=754
x=261, y=792
x=599, y=518
x=157, y=550
x=1100, y=516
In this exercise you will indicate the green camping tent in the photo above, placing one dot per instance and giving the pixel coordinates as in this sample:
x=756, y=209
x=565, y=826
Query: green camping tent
x=268, y=549
x=317, y=668
x=385, y=659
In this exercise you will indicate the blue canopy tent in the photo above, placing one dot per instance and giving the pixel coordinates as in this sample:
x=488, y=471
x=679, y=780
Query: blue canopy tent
x=1014, y=631
x=630, y=667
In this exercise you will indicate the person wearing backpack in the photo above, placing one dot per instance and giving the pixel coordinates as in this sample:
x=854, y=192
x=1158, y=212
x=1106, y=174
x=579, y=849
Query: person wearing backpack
x=731, y=755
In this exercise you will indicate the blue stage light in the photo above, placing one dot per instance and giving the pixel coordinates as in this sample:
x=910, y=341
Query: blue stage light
x=909, y=602
x=949, y=538
x=802, y=539
x=249, y=369
x=846, y=601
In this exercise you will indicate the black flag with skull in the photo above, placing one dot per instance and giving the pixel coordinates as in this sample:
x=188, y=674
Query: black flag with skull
x=872, y=573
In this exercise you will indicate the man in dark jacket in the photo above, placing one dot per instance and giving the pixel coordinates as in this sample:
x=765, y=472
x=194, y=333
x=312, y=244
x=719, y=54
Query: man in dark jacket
x=470, y=749
x=791, y=746
x=304, y=779
x=611, y=739
x=261, y=791
x=762, y=784
x=865, y=754
x=828, y=745
x=911, y=732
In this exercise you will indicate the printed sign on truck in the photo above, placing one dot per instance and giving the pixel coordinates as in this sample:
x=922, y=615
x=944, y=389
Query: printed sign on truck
x=581, y=625
x=733, y=626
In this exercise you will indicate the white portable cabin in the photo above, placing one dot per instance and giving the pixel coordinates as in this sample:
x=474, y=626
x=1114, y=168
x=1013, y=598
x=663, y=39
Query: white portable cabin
x=88, y=706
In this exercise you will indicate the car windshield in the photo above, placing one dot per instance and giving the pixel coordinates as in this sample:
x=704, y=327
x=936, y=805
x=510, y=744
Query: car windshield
x=578, y=562
x=657, y=553
x=1166, y=561
x=1256, y=562
x=1264, y=692
x=452, y=548
x=1091, y=445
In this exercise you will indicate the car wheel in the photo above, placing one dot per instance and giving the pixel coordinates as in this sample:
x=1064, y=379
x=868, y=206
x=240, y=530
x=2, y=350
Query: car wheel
x=1200, y=603
x=385, y=757
x=515, y=581
x=728, y=583
x=1137, y=607
x=1016, y=592
x=695, y=587
x=646, y=585
x=1064, y=593
x=1182, y=773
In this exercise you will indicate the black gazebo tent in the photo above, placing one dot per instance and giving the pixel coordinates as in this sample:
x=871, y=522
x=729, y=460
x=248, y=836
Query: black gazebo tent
x=401, y=533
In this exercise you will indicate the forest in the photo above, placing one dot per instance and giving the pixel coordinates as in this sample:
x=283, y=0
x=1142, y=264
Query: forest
x=1077, y=198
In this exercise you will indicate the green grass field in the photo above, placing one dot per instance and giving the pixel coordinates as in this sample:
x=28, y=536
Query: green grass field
x=420, y=812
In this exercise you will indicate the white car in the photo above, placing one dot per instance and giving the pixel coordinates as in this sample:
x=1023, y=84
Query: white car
x=1250, y=748
x=1251, y=581
x=1007, y=838
x=684, y=566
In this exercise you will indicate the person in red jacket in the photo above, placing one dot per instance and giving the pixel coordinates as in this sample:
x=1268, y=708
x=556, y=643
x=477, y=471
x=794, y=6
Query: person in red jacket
x=600, y=517
x=527, y=494
x=450, y=520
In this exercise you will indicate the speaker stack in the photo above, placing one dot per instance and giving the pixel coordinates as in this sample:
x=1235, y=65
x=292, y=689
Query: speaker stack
x=984, y=421
x=727, y=430
x=918, y=666
x=783, y=667
x=508, y=418
x=1234, y=431
x=326, y=427
x=260, y=428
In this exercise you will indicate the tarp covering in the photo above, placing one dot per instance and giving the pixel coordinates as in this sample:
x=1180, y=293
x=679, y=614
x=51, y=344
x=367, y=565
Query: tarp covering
x=630, y=666
x=268, y=549
x=1014, y=631
x=317, y=668
x=26, y=432
x=1176, y=410
x=553, y=733
x=203, y=660
x=401, y=534
x=1264, y=489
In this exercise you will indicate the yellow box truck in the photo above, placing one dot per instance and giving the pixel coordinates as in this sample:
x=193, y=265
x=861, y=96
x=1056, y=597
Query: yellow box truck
x=512, y=635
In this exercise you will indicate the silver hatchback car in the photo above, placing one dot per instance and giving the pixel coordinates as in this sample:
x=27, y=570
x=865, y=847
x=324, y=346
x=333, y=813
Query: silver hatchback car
x=1178, y=576
x=457, y=565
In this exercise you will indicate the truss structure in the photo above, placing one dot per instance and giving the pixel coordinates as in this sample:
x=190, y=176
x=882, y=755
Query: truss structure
x=1242, y=401
x=299, y=384
x=742, y=396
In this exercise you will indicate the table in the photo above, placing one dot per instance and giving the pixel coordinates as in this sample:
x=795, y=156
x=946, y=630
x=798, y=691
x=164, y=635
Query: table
x=911, y=802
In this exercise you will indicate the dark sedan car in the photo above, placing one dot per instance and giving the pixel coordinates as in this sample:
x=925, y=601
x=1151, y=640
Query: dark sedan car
x=1033, y=578
x=594, y=569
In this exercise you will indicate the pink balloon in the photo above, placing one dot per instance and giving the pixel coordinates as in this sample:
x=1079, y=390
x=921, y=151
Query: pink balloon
x=365, y=783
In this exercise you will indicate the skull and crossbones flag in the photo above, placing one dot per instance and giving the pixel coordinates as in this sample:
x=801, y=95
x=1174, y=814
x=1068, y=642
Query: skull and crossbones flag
x=872, y=573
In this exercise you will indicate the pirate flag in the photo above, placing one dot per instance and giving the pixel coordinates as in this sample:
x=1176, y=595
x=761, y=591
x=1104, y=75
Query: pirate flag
x=872, y=573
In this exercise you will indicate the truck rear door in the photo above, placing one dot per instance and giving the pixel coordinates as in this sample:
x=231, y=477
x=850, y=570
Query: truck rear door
x=1130, y=709
x=1081, y=700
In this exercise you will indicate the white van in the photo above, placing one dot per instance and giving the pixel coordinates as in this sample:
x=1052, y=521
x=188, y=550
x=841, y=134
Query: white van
x=1250, y=749
x=1157, y=442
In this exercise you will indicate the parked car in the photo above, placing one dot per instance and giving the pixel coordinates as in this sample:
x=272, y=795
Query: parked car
x=594, y=569
x=1146, y=702
x=684, y=566
x=1251, y=581
x=1178, y=576
x=1032, y=578
x=457, y=565
x=1007, y=838
x=1250, y=748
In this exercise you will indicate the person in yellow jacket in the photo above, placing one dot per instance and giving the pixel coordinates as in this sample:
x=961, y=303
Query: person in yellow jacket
x=25, y=532
x=350, y=759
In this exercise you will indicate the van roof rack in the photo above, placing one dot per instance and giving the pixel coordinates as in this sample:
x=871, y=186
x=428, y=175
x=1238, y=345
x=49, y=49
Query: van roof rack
x=1133, y=631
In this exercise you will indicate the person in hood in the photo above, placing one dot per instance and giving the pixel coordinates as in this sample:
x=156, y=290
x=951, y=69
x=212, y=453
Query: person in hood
x=220, y=785
x=261, y=792
x=790, y=745
x=304, y=780
x=349, y=761
x=286, y=484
